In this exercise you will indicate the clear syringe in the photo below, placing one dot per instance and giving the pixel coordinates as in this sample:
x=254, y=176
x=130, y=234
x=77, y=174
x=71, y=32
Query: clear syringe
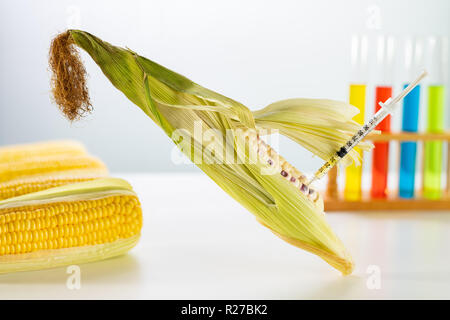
x=386, y=108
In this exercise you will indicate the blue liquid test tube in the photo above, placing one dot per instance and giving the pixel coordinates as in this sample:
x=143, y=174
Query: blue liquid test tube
x=408, y=149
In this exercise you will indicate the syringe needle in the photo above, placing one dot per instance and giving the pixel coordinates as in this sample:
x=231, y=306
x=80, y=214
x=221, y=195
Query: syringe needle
x=409, y=88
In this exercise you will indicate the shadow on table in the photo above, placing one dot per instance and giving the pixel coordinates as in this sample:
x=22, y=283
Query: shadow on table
x=340, y=288
x=122, y=269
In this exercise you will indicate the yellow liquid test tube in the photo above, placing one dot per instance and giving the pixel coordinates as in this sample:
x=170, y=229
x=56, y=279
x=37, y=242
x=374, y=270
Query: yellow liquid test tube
x=353, y=174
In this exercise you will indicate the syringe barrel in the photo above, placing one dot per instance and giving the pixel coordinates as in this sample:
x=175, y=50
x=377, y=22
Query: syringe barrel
x=352, y=142
x=366, y=129
x=386, y=109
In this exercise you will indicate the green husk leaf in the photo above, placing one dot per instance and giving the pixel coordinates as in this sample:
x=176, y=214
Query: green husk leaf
x=74, y=191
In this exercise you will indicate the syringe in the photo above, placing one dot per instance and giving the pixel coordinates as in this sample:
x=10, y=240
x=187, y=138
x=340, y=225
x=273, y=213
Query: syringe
x=386, y=108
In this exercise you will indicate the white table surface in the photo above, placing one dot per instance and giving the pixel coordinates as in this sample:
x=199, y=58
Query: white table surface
x=198, y=243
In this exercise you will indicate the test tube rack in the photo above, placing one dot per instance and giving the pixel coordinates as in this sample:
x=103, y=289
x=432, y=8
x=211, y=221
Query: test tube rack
x=334, y=199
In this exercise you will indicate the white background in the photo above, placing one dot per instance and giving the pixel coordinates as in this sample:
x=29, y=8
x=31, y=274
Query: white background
x=256, y=52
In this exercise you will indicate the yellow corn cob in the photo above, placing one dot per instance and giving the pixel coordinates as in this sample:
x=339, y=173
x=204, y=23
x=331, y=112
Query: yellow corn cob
x=72, y=224
x=50, y=148
x=36, y=166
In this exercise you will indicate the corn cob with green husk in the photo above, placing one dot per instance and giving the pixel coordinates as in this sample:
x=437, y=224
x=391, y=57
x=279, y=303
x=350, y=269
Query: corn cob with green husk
x=72, y=224
x=38, y=166
x=263, y=182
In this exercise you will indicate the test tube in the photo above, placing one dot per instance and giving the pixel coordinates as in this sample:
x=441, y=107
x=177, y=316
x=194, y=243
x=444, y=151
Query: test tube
x=383, y=91
x=357, y=97
x=433, y=167
x=410, y=119
x=448, y=169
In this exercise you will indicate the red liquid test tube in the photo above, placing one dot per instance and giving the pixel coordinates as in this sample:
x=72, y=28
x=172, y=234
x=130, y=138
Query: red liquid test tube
x=380, y=160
